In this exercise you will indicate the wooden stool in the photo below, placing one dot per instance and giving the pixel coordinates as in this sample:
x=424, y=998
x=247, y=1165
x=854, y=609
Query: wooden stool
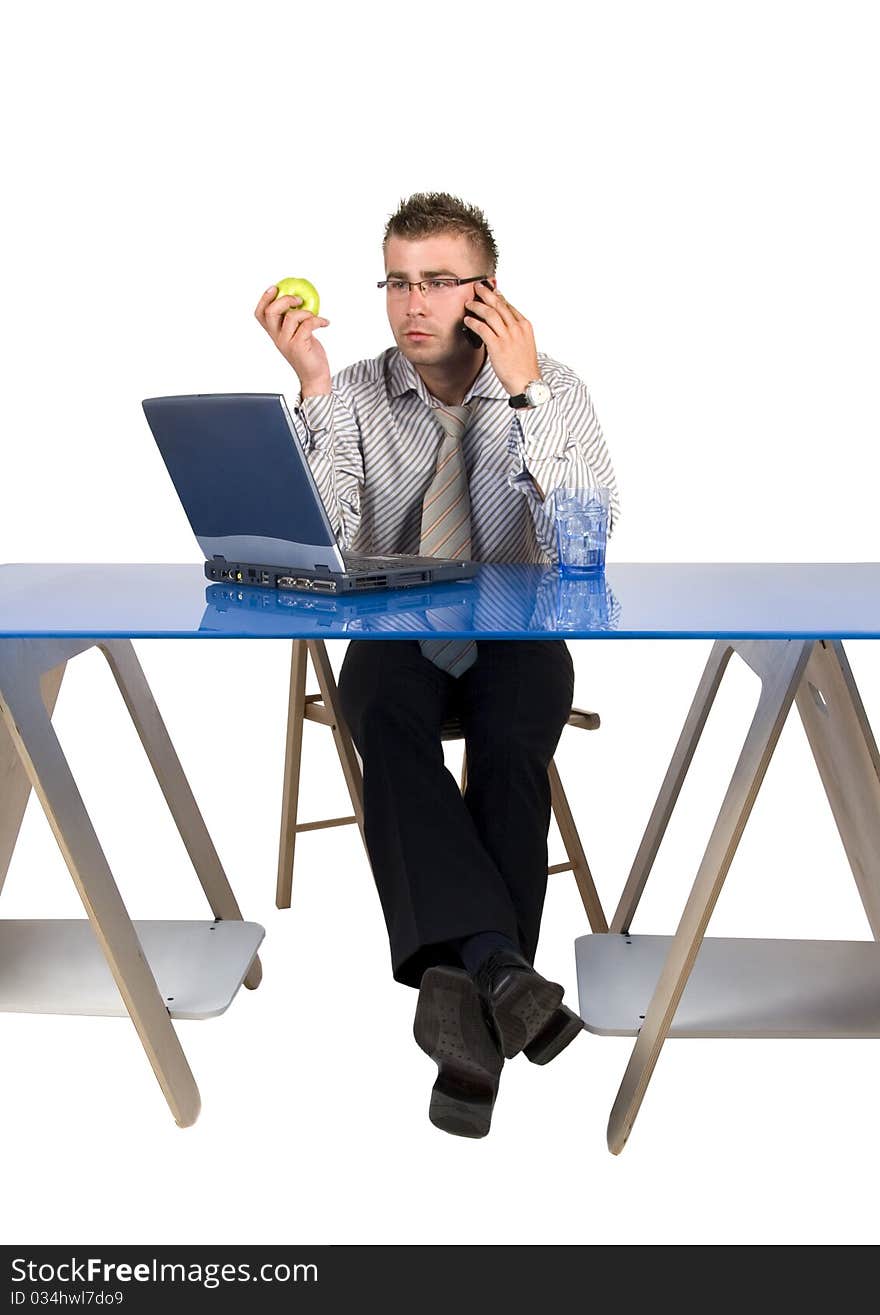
x=324, y=708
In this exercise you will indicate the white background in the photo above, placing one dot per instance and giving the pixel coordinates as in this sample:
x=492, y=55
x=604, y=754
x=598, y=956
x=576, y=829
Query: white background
x=685, y=201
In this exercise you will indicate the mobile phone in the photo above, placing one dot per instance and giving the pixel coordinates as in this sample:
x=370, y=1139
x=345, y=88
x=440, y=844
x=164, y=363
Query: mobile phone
x=474, y=338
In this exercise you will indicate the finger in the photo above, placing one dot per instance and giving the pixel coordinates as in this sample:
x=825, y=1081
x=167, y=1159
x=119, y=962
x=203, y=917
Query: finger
x=259, y=309
x=266, y=300
x=500, y=303
x=491, y=302
x=277, y=309
x=481, y=310
x=301, y=326
x=489, y=295
x=479, y=326
x=517, y=315
x=290, y=323
x=307, y=328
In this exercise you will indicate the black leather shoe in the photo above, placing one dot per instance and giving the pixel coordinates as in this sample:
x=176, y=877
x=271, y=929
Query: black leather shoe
x=527, y=1009
x=455, y=1029
x=562, y=1028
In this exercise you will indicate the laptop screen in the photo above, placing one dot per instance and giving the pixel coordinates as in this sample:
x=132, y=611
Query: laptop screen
x=237, y=467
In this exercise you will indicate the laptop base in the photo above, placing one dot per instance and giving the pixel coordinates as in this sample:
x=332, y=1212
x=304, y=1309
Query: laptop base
x=327, y=582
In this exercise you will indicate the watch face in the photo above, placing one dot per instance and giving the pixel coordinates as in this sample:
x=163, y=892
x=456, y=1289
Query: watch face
x=537, y=392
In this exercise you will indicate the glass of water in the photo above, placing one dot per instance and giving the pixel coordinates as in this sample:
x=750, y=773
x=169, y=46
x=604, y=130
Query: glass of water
x=581, y=528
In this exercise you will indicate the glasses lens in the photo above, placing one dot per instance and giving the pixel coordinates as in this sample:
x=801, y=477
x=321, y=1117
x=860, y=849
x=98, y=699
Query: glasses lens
x=430, y=287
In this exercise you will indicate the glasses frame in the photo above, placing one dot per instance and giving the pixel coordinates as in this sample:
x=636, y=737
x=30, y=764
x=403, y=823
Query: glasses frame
x=420, y=283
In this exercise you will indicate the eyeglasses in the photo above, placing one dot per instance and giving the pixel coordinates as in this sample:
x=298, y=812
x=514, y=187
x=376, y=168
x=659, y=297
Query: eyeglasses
x=427, y=287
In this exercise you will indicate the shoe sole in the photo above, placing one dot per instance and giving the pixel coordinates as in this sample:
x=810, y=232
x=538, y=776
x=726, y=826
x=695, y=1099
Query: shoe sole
x=523, y=1009
x=451, y=1028
x=562, y=1029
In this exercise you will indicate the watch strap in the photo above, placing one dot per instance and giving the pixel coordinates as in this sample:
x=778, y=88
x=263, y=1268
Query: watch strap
x=522, y=399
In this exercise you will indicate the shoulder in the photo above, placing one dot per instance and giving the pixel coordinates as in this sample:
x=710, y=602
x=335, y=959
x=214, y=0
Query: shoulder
x=362, y=378
x=560, y=377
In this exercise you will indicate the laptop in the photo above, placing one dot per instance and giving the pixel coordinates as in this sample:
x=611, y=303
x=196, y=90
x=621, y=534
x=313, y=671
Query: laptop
x=245, y=484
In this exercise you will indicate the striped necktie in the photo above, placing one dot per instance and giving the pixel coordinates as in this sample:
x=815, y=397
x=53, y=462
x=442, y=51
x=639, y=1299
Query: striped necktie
x=446, y=531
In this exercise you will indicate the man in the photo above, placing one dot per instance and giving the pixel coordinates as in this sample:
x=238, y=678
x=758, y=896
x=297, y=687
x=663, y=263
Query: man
x=449, y=444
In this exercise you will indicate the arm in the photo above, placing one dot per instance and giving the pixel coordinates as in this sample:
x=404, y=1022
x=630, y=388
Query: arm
x=326, y=427
x=323, y=420
x=561, y=443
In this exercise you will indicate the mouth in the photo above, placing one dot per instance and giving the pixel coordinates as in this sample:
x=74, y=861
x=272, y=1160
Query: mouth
x=416, y=334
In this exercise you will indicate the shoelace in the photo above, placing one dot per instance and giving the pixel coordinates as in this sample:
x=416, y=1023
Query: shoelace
x=496, y=963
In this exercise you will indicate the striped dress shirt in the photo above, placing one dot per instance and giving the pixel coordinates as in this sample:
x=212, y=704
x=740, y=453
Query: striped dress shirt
x=372, y=447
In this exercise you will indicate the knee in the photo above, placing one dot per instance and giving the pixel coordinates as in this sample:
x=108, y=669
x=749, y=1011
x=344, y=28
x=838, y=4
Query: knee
x=511, y=749
x=383, y=709
x=530, y=737
x=383, y=716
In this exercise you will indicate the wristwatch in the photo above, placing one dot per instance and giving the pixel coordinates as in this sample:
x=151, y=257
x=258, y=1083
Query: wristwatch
x=536, y=393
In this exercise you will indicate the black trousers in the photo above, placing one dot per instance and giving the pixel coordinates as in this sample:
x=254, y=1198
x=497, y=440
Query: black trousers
x=447, y=865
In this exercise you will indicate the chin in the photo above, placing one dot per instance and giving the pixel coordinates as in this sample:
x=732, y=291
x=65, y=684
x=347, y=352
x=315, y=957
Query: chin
x=433, y=347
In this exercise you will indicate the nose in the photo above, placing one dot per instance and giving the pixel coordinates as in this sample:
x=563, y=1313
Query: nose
x=415, y=291
x=415, y=310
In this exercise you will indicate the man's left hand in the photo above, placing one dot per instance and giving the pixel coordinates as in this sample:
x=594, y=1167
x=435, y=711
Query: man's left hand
x=508, y=337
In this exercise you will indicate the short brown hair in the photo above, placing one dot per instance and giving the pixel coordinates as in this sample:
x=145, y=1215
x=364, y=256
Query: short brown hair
x=426, y=213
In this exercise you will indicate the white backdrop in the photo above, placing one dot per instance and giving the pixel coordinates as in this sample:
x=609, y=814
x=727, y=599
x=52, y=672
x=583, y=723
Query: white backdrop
x=685, y=201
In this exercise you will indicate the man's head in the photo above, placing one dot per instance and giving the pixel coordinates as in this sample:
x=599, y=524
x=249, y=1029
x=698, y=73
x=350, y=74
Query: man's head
x=433, y=236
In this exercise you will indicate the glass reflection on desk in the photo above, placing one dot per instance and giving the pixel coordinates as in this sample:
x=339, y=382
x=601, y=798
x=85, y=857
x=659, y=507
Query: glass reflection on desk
x=566, y=602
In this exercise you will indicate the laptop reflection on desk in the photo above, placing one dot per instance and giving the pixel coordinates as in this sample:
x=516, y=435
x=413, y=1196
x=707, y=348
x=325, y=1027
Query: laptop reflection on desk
x=251, y=609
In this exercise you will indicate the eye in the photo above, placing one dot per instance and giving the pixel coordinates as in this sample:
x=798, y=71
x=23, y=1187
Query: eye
x=440, y=285
x=396, y=285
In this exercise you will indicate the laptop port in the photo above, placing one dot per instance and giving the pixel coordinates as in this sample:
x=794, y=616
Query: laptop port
x=318, y=586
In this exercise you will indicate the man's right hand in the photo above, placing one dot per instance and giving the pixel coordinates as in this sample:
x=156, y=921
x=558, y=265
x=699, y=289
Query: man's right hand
x=292, y=332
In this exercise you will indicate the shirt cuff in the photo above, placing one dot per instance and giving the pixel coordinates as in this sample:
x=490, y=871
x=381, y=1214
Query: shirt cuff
x=316, y=411
x=544, y=431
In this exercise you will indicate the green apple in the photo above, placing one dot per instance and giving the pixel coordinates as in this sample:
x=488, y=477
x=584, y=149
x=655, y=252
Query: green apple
x=300, y=288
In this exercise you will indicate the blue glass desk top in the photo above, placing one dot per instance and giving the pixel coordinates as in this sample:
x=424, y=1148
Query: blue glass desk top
x=789, y=600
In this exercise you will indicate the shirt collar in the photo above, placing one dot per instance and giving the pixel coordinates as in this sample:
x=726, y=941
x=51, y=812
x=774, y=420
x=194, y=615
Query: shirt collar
x=403, y=376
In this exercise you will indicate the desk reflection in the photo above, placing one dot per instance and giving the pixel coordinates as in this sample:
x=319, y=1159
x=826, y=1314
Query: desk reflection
x=500, y=602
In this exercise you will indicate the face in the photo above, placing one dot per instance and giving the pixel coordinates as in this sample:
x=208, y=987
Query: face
x=439, y=315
